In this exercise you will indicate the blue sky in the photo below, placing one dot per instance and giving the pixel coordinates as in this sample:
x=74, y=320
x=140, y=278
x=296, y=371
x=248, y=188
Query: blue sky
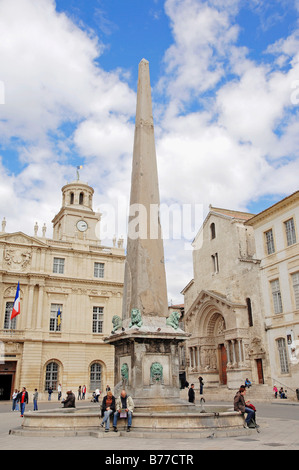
x=225, y=85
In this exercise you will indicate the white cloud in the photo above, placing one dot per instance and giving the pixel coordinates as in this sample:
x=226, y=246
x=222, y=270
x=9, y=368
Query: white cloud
x=202, y=34
x=49, y=71
x=223, y=152
x=238, y=142
x=51, y=78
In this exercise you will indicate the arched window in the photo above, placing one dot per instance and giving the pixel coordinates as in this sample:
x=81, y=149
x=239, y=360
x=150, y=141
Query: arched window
x=213, y=231
x=283, y=355
x=51, y=376
x=95, y=376
x=81, y=199
x=72, y=198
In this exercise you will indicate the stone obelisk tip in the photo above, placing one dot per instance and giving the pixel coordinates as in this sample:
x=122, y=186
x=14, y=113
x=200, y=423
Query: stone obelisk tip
x=145, y=279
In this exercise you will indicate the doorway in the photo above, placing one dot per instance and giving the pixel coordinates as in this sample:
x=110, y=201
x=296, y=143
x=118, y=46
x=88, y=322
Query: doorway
x=223, y=365
x=260, y=372
x=5, y=386
x=7, y=379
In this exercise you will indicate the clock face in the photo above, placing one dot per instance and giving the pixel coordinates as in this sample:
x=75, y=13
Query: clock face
x=82, y=226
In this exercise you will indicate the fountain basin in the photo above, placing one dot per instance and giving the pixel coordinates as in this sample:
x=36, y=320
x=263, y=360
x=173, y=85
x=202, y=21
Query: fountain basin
x=87, y=420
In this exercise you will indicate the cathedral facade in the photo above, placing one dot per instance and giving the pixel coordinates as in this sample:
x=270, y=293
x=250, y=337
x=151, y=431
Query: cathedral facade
x=242, y=305
x=223, y=305
x=70, y=287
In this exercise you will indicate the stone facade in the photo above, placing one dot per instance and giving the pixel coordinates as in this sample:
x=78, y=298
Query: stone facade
x=71, y=273
x=277, y=246
x=223, y=309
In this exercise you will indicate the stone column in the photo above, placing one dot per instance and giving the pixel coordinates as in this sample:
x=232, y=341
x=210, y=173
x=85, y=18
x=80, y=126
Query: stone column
x=40, y=307
x=240, y=351
x=198, y=358
x=30, y=307
x=234, y=351
x=226, y=343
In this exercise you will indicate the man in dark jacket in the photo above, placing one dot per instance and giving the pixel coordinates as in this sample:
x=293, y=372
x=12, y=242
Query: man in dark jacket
x=240, y=405
x=191, y=394
x=23, y=399
x=70, y=400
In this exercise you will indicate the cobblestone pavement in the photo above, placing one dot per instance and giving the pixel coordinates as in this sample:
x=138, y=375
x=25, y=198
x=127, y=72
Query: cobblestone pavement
x=279, y=431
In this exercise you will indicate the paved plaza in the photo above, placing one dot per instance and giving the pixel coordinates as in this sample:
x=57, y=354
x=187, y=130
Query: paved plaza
x=279, y=423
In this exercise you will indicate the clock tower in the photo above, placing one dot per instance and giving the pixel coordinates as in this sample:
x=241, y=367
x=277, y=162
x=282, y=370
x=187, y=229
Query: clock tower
x=76, y=218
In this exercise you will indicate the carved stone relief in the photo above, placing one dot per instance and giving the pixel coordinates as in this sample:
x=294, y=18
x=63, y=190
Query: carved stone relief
x=17, y=259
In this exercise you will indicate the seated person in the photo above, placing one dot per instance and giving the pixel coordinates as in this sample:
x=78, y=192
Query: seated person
x=124, y=405
x=70, y=400
x=242, y=407
x=247, y=383
x=108, y=407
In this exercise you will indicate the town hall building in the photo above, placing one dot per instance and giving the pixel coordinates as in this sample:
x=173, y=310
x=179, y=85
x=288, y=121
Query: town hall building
x=71, y=287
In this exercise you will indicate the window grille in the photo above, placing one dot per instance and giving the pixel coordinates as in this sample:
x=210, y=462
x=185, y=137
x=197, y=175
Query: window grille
x=51, y=376
x=96, y=376
x=98, y=320
x=295, y=278
x=58, y=266
x=270, y=242
x=277, y=301
x=290, y=232
x=54, y=326
x=8, y=323
x=99, y=269
x=283, y=356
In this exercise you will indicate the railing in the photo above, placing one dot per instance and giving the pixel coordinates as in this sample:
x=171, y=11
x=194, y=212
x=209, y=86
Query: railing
x=275, y=381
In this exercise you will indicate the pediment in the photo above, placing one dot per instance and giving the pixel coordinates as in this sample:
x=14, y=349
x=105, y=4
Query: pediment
x=20, y=238
x=208, y=296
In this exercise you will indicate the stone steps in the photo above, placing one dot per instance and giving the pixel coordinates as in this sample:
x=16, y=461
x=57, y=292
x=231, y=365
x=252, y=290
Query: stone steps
x=186, y=433
x=258, y=393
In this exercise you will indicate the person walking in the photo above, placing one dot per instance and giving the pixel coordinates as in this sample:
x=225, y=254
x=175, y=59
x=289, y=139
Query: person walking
x=108, y=407
x=15, y=400
x=275, y=390
x=97, y=394
x=191, y=394
x=240, y=405
x=50, y=391
x=35, y=398
x=23, y=399
x=59, y=390
x=201, y=384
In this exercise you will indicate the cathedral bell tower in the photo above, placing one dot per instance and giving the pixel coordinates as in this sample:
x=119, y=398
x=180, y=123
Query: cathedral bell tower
x=76, y=219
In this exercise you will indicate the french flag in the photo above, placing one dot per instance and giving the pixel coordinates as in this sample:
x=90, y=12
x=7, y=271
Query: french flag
x=17, y=304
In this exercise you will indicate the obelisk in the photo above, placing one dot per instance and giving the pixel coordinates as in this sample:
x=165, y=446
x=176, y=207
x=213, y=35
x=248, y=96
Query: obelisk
x=145, y=278
x=146, y=339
